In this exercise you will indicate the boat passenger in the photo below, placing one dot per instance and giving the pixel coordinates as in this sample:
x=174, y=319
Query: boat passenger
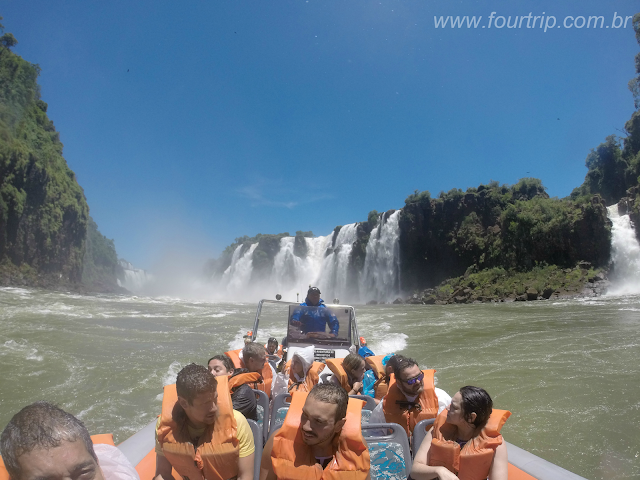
x=321, y=438
x=199, y=434
x=241, y=383
x=303, y=372
x=411, y=398
x=272, y=347
x=465, y=441
x=314, y=320
x=347, y=372
x=44, y=441
x=254, y=357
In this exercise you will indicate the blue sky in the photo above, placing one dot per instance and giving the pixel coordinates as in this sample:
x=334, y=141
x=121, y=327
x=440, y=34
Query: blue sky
x=191, y=123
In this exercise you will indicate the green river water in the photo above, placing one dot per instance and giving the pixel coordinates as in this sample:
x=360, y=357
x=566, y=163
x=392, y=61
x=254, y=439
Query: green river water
x=567, y=370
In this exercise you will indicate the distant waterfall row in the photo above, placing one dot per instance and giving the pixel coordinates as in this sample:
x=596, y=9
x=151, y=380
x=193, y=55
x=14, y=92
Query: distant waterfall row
x=328, y=264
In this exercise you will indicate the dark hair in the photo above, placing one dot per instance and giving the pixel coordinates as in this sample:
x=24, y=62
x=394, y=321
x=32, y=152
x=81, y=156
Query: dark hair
x=272, y=340
x=193, y=380
x=253, y=350
x=330, y=393
x=40, y=425
x=352, y=361
x=476, y=400
x=392, y=362
x=226, y=361
x=313, y=290
x=401, y=363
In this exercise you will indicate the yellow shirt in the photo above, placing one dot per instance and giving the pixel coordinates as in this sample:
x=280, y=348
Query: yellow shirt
x=245, y=437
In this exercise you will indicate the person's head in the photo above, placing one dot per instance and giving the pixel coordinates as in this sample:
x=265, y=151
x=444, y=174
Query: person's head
x=247, y=339
x=409, y=377
x=220, y=365
x=313, y=296
x=471, y=405
x=354, y=365
x=254, y=357
x=272, y=346
x=323, y=414
x=296, y=366
x=390, y=364
x=44, y=441
x=197, y=394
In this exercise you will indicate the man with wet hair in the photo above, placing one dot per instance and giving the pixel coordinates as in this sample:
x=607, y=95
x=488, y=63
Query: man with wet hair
x=323, y=417
x=314, y=320
x=199, y=434
x=254, y=357
x=412, y=398
x=44, y=441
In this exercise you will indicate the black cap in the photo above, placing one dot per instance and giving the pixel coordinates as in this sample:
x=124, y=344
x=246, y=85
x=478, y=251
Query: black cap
x=272, y=340
x=313, y=290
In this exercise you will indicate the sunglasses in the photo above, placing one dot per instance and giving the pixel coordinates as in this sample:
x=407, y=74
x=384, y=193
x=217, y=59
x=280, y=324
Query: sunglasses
x=414, y=380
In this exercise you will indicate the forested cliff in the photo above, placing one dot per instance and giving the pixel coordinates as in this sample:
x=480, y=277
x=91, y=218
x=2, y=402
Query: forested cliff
x=44, y=216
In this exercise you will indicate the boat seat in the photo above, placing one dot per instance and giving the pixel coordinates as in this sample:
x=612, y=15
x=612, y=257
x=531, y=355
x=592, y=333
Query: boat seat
x=367, y=408
x=389, y=451
x=281, y=404
x=419, y=432
x=257, y=439
x=263, y=413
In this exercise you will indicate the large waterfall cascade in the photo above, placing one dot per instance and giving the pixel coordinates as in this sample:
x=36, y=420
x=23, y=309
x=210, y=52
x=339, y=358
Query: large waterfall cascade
x=134, y=278
x=625, y=254
x=327, y=265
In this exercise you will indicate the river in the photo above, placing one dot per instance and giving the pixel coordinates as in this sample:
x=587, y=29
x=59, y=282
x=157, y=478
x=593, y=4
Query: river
x=567, y=370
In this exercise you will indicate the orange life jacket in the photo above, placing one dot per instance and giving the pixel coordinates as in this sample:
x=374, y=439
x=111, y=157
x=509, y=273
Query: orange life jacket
x=335, y=365
x=267, y=374
x=473, y=461
x=251, y=378
x=310, y=381
x=234, y=355
x=217, y=454
x=407, y=417
x=375, y=362
x=292, y=459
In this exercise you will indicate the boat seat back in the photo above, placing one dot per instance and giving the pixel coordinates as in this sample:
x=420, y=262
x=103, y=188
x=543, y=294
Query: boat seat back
x=389, y=451
x=263, y=413
x=281, y=404
x=256, y=430
x=419, y=432
x=367, y=408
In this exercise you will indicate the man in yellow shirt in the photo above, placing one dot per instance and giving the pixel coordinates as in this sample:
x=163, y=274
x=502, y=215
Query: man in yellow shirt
x=199, y=434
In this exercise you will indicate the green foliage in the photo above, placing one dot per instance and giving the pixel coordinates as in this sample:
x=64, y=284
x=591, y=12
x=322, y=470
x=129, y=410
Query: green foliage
x=43, y=218
x=100, y=258
x=423, y=198
x=372, y=218
x=308, y=234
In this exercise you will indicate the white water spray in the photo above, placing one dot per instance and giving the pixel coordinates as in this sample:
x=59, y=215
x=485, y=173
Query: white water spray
x=625, y=254
x=380, y=279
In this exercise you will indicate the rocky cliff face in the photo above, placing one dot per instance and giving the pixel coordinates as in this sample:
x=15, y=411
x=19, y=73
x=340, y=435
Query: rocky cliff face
x=43, y=211
x=512, y=227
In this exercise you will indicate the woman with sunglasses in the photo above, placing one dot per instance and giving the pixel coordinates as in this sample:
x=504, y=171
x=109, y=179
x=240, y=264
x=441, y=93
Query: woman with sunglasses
x=469, y=432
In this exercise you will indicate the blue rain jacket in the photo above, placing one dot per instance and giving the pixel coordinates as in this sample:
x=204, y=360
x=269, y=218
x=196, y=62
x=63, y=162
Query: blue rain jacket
x=315, y=318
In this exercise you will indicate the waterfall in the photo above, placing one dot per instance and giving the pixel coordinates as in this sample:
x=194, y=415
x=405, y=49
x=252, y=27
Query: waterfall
x=237, y=275
x=625, y=254
x=380, y=279
x=131, y=278
x=327, y=264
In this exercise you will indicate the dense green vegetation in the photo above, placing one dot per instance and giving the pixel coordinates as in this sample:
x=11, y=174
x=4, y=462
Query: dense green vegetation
x=100, y=259
x=43, y=211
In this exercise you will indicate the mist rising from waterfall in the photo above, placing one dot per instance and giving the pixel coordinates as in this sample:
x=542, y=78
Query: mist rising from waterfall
x=625, y=255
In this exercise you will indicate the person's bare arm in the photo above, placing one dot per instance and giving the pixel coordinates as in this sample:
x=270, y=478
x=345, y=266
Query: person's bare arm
x=163, y=468
x=245, y=467
x=499, y=467
x=422, y=471
x=266, y=467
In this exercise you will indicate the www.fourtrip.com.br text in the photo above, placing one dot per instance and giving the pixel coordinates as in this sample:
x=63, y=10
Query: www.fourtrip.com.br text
x=542, y=22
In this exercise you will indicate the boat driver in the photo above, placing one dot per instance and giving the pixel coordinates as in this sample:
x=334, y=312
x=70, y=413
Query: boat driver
x=44, y=441
x=313, y=320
